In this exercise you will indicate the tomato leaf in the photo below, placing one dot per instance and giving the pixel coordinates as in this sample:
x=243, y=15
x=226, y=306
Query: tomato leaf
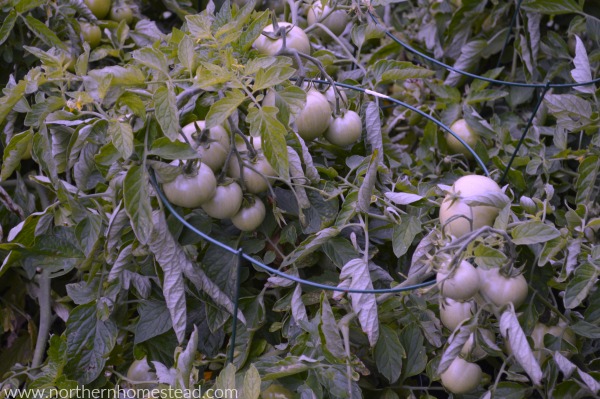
x=7, y=25
x=389, y=354
x=329, y=333
x=533, y=232
x=404, y=234
x=136, y=195
x=44, y=33
x=153, y=59
x=263, y=122
x=186, y=53
x=121, y=135
x=89, y=343
x=271, y=76
x=251, y=387
x=585, y=184
x=513, y=333
x=223, y=108
x=166, y=111
x=14, y=152
x=311, y=244
x=364, y=305
x=552, y=7
x=584, y=279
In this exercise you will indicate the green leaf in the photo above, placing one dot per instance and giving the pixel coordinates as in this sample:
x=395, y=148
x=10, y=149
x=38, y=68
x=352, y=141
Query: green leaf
x=488, y=257
x=389, y=353
x=271, y=76
x=251, y=387
x=154, y=320
x=186, y=53
x=121, y=76
x=264, y=122
x=329, y=333
x=582, y=72
x=209, y=75
x=14, y=152
x=166, y=111
x=11, y=99
x=136, y=195
x=584, y=279
x=552, y=7
x=411, y=339
x=223, y=108
x=121, y=135
x=533, y=232
x=310, y=245
x=89, y=343
x=485, y=95
x=199, y=26
x=364, y=305
x=44, y=33
x=153, y=59
x=7, y=25
x=585, y=184
x=390, y=70
x=404, y=234
x=167, y=149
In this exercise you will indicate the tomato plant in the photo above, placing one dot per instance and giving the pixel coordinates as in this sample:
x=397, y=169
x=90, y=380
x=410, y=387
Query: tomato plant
x=335, y=20
x=314, y=118
x=295, y=37
x=460, y=282
x=100, y=8
x=462, y=129
x=91, y=33
x=225, y=203
x=250, y=215
x=344, y=129
x=452, y=312
x=461, y=377
x=502, y=290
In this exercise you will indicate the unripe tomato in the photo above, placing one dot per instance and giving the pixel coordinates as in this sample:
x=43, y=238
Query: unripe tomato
x=452, y=312
x=99, y=8
x=314, y=118
x=330, y=96
x=336, y=21
x=214, y=146
x=254, y=181
x=225, y=203
x=139, y=371
x=479, y=215
x=501, y=290
x=458, y=284
x=473, y=348
x=462, y=129
x=461, y=376
x=216, y=133
x=250, y=216
x=295, y=38
x=90, y=33
x=191, y=191
x=121, y=13
x=345, y=129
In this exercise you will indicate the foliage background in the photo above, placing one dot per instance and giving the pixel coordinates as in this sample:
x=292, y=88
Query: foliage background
x=92, y=260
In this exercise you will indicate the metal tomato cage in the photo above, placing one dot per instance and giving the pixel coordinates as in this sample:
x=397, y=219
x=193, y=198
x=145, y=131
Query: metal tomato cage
x=241, y=256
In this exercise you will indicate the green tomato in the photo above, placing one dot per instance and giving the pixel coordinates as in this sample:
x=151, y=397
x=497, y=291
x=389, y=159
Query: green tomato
x=461, y=376
x=225, y=203
x=335, y=21
x=458, y=283
x=90, y=33
x=295, y=38
x=330, y=96
x=121, y=13
x=501, y=290
x=452, y=312
x=456, y=215
x=251, y=216
x=468, y=135
x=140, y=371
x=314, y=118
x=213, y=147
x=345, y=129
x=256, y=181
x=191, y=190
x=99, y=8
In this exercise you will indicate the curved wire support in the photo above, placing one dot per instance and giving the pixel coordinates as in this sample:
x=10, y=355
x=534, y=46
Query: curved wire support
x=472, y=75
x=418, y=111
x=242, y=255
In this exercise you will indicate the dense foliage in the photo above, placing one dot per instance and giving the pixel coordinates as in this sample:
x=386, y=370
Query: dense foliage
x=97, y=274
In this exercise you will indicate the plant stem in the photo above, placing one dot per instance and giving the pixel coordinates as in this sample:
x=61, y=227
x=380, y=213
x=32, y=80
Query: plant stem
x=45, y=317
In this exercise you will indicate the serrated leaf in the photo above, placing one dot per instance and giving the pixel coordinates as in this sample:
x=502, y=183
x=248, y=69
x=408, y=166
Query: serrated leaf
x=264, y=123
x=364, y=305
x=404, y=234
x=582, y=72
x=11, y=99
x=14, y=152
x=186, y=53
x=389, y=353
x=153, y=59
x=167, y=149
x=223, y=108
x=584, y=279
x=89, y=343
x=485, y=95
x=513, y=333
x=488, y=257
x=469, y=56
x=533, y=232
x=551, y=249
x=199, y=26
x=165, y=109
x=136, y=195
x=272, y=76
x=121, y=135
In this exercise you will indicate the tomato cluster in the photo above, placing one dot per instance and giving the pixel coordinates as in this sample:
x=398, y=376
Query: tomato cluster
x=197, y=185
